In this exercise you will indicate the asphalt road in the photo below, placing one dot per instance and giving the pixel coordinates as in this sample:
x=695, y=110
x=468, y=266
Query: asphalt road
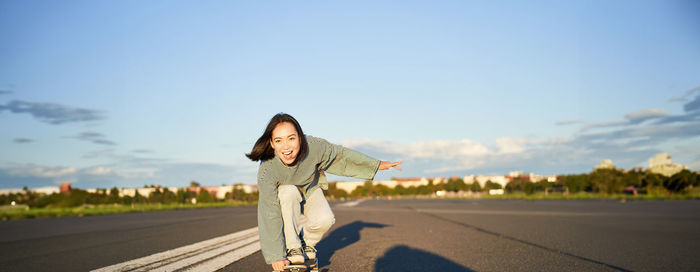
x=393, y=235
x=508, y=235
x=86, y=243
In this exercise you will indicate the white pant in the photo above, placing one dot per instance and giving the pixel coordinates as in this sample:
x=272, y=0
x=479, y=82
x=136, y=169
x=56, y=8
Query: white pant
x=315, y=221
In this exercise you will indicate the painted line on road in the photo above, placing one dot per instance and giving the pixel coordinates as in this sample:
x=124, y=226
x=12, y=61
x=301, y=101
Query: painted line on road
x=209, y=255
x=351, y=203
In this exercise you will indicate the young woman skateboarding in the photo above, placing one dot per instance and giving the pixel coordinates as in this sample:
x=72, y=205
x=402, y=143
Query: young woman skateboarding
x=290, y=179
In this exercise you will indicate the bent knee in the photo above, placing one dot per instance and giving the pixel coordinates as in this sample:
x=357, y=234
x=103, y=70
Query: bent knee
x=324, y=223
x=288, y=193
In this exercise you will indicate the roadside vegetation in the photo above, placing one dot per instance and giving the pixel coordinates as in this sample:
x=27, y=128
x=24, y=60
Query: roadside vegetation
x=599, y=184
x=613, y=184
x=79, y=202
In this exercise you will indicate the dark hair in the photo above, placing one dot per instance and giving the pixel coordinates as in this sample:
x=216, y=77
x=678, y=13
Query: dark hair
x=262, y=150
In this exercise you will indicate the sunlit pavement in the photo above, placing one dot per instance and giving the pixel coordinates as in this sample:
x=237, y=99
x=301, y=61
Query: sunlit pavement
x=508, y=235
x=386, y=235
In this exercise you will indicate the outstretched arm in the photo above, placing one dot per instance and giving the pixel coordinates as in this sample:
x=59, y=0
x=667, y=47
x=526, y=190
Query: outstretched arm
x=341, y=161
x=385, y=165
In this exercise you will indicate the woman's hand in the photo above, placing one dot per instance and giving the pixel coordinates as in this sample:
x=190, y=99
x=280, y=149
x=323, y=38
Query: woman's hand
x=279, y=265
x=384, y=165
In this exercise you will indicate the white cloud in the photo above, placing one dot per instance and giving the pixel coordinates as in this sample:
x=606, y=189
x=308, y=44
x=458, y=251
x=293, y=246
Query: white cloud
x=507, y=145
x=53, y=113
x=569, y=122
x=444, y=149
x=43, y=172
x=440, y=156
x=605, y=124
x=136, y=173
x=127, y=171
x=685, y=96
x=437, y=149
x=99, y=171
x=94, y=137
x=632, y=118
x=646, y=114
x=626, y=146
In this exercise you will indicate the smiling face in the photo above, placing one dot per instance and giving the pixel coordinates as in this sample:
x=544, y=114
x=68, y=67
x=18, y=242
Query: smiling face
x=285, y=142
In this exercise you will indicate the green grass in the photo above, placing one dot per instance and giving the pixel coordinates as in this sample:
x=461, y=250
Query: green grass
x=91, y=210
x=23, y=212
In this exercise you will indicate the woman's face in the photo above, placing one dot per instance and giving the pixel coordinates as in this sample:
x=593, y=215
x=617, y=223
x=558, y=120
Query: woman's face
x=285, y=142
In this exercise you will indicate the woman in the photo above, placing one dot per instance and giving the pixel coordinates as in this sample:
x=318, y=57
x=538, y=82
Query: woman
x=292, y=167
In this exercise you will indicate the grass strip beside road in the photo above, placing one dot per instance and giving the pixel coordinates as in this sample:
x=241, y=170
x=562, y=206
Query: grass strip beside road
x=91, y=210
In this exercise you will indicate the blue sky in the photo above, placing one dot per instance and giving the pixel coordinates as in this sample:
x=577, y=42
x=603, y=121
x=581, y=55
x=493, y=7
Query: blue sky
x=131, y=93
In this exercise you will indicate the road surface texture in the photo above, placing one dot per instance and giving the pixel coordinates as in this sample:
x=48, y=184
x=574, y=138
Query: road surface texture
x=508, y=235
x=392, y=235
x=86, y=243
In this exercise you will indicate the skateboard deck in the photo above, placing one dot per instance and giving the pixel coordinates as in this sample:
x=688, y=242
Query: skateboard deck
x=308, y=266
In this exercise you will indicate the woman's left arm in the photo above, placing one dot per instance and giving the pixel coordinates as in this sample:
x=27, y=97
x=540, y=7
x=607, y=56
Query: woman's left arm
x=342, y=161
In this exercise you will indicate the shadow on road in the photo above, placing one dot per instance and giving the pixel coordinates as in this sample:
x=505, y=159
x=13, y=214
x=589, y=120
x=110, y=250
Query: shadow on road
x=340, y=238
x=550, y=249
x=404, y=258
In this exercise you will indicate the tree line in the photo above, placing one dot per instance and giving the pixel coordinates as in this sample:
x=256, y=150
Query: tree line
x=613, y=181
x=373, y=190
x=78, y=197
x=603, y=181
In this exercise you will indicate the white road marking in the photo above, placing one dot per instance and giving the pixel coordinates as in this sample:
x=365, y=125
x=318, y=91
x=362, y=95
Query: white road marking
x=351, y=203
x=209, y=255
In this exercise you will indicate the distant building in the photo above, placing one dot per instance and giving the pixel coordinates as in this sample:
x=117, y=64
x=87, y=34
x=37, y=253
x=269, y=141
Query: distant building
x=605, y=164
x=496, y=191
x=538, y=178
x=251, y=188
x=662, y=164
x=468, y=179
x=502, y=180
x=408, y=182
x=247, y=188
x=41, y=190
x=349, y=186
x=216, y=191
x=194, y=189
x=220, y=192
x=145, y=192
x=11, y=191
x=65, y=187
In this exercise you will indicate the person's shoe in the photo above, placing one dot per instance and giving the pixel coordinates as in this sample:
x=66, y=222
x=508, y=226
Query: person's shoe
x=310, y=252
x=295, y=256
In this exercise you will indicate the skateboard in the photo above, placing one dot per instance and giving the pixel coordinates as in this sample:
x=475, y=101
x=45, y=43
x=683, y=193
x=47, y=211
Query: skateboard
x=307, y=266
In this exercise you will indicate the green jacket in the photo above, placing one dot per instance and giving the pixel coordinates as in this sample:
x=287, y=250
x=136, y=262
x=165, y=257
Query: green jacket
x=309, y=175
